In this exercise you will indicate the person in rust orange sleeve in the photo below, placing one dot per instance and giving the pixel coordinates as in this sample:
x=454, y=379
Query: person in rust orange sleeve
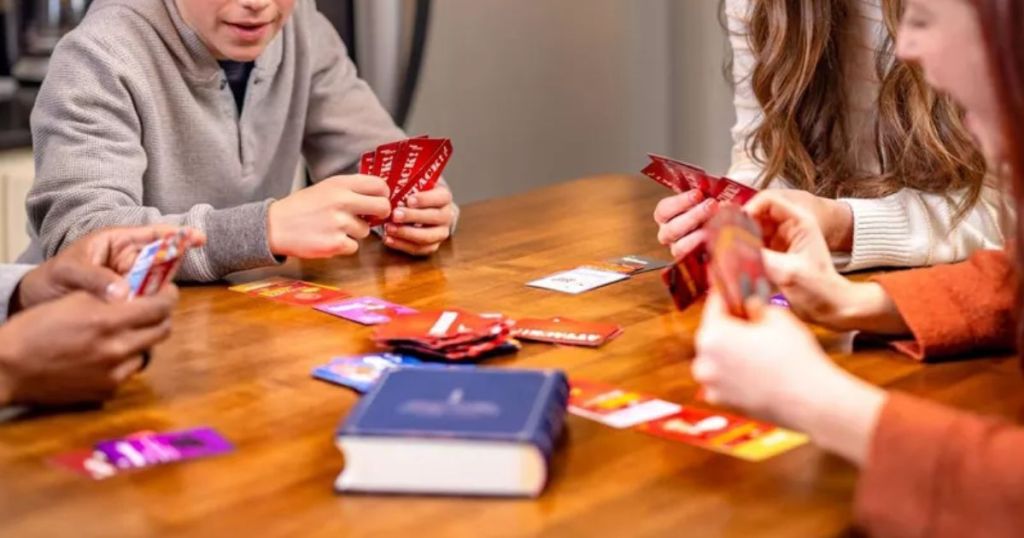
x=926, y=470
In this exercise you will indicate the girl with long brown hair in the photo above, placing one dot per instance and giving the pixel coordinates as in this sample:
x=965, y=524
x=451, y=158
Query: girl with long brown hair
x=926, y=470
x=825, y=109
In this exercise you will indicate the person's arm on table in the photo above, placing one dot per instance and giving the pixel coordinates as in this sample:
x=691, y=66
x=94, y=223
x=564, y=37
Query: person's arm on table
x=346, y=119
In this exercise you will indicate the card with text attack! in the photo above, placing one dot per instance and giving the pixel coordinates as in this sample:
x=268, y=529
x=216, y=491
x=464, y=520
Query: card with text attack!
x=409, y=166
x=736, y=266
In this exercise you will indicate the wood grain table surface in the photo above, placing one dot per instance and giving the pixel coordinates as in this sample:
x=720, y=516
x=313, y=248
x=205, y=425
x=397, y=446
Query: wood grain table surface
x=242, y=365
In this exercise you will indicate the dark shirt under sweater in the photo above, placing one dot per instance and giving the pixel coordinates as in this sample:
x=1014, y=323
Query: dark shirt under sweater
x=238, y=74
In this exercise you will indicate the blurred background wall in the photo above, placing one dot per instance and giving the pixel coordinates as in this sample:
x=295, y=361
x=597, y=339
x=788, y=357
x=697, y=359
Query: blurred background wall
x=536, y=91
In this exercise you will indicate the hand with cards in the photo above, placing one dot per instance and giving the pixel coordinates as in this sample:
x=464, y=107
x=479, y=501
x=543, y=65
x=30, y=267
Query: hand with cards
x=422, y=210
x=450, y=335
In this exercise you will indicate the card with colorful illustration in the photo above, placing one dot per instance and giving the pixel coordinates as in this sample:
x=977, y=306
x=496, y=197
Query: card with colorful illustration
x=728, y=434
x=681, y=177
x=736, y=266
x=578, y=280
x=365, y=310
x=615, y=407
x=157, y=264
x=291, y=292
x=687, y=280
x=142, y=450
x=361, y=372
x=566, y=331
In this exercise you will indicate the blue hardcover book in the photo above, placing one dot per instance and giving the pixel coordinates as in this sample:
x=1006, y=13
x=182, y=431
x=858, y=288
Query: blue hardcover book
x=454, y=432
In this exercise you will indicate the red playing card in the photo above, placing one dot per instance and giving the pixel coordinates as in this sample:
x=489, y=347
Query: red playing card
x=291, y=292
x=689, y=176
x=734, y=243
x=660, y=173
x=736, y=436
x=726, y=190
x=433, y=158
x=566, y=331
x=366, y=163
x=687, y=280
x=384, y=159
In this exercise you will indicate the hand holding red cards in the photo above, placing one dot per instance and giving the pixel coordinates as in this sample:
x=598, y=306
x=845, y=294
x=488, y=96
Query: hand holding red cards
x=739, y=366
x=422, y=210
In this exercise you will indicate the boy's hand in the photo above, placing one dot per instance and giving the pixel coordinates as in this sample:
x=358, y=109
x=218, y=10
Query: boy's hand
x=423, y=224
x=325, y=220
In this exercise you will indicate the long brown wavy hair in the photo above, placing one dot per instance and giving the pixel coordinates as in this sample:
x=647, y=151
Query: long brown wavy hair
x=798, y=78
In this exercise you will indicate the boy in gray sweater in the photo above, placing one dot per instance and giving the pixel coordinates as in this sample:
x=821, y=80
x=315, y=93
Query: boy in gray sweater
x=196, y=113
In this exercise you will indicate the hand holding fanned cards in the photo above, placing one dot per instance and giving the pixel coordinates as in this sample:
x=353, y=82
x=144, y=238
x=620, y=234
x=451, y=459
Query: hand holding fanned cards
x=687, y=280
x=157, y=263
x=448, y=335
x=408, y=166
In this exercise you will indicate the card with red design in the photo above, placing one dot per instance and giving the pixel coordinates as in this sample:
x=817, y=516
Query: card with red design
x=291, y=292
x=566, y=331
x=365, y=310
x=409, y=166
x=157, y=263
x=728, y=434
x=615, y=407
x=449, y=335
x=736, y=266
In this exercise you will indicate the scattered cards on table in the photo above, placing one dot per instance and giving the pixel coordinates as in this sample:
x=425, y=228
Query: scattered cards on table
x=409, y=166
x=595, y=275
x=566, y=331
x=291, y=292
x=448, y=335
x=361, y=372
x=365, y=310
x=143, y=450
x=157, y=264
x=721, y=432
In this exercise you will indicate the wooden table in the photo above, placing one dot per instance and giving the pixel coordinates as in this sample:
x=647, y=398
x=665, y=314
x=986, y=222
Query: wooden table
x=242, y=366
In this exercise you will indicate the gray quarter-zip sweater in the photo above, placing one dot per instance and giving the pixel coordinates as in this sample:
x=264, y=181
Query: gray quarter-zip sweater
x=136, y=124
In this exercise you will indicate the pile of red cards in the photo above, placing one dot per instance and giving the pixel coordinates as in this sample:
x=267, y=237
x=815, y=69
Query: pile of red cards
x=688, y=279
x=448, y=335
x=409, y=166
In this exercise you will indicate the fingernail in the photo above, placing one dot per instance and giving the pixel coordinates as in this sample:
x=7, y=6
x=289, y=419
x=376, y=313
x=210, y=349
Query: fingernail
x=697, y=196
x=118, y=291
x=399, y=215
x=413, y=201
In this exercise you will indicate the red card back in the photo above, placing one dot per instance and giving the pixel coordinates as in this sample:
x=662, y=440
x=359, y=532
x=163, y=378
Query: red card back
x=736, y=265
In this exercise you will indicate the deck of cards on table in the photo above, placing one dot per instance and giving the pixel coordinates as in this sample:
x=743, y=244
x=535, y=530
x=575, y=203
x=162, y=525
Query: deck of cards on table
x=408, y=166
x=448, y=335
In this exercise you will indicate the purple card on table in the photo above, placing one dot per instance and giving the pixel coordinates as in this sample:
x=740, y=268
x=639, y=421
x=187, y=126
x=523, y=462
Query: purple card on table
x=365, y=310
x=156, y=449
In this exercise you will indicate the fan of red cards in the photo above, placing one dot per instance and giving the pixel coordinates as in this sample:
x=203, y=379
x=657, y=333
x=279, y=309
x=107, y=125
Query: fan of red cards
x=409, y=166
x=448, y=335
x=733, y=247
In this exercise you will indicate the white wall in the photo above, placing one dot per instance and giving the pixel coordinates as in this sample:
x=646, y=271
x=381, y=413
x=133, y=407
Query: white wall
x=538, y=91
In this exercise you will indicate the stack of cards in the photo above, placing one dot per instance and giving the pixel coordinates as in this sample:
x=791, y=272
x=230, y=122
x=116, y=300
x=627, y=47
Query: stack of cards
x=728, y=434
x=157, y=264
x=142, y=450
x=291, y=292
x=361, y=372
x=365, y=310
x=448, y=335
x=566, y=331
x=597, y=274
x=409, y=166
x=687, y=280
